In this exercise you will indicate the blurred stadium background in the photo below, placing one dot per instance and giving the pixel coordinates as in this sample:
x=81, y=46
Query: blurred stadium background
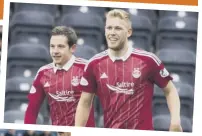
x=13, y=132
x=171, y=35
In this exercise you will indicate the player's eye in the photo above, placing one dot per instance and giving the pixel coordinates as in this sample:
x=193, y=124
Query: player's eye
x=109, y=27
x=61, y=46
x=118, y=28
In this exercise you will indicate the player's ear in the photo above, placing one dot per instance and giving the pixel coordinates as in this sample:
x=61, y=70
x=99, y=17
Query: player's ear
x=73, y=48
x=130, y=31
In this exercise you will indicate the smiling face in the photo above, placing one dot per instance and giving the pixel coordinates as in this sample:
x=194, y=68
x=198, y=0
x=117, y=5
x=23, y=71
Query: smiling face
x=62, y=45
x=60, y=50
x=117, y=30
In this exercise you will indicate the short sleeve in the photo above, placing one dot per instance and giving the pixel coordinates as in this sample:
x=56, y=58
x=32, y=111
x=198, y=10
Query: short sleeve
x=37, y=87
x=160, y=75
x=88, y=80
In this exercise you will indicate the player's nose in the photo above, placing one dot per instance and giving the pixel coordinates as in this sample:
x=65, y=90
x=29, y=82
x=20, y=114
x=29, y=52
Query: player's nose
x=55, y=50
x=55, y=53
x=112, y=32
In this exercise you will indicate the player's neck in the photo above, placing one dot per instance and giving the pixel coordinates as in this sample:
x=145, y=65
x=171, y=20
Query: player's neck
x=59, y=65
x=121, y=52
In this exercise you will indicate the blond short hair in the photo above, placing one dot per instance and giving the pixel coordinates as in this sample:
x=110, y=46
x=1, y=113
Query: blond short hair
x=122, y=14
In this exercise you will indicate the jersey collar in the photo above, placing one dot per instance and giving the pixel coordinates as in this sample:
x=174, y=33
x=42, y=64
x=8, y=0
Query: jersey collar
x=124, y=57
x=67, y=66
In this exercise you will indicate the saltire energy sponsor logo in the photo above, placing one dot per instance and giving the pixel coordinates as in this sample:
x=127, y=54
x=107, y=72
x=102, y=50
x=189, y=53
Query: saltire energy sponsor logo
x=64, y=96
x=122, y=88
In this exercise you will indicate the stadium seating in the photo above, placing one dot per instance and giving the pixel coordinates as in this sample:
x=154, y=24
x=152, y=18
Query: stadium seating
x=178, y=44
x=83, y=9
x=51, y=9
x=85, y=52
x=181, y=14
x=140, y=43
x=175, y=28
x=162, y=123
x=33, y=38
x=85, y=25
x=15, y=104
x=87, y=40
x=25, y=59
x=34, y=22
x=20, y=84
x=17, y=116
x=181, y=61
x=181, y=57
x=142, y=28
x=186, y=93
x=17, y=90
x=159, y=102
x=23, y=70
x=182, y=77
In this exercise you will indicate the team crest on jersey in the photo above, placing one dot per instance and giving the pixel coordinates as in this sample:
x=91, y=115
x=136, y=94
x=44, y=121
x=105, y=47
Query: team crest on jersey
x=136, y=73
x=75, y=81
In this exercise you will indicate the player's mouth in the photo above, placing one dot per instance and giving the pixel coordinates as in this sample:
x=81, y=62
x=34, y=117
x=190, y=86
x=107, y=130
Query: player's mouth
x=56, y=57
x=113, y=39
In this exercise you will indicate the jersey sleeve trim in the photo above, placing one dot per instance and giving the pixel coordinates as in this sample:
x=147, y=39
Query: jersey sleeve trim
x=148, y=54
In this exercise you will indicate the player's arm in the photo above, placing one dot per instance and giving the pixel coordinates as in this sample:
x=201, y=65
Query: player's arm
x=162, y=78
x=88, y=86
x=36, y=97
x=173, y=102
x=83, y=109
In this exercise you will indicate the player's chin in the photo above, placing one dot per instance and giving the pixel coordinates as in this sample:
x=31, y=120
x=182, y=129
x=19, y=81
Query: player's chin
x=115, y=48
x=57, y=62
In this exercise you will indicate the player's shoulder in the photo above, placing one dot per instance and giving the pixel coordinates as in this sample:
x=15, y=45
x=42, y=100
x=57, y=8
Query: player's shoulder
x=43, y=68
x=46, y=67
x=98, y=56
x=147, y=55
x=81, y=61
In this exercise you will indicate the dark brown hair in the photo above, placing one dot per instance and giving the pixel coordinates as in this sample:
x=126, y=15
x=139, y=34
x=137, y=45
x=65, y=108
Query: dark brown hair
x=66, y=31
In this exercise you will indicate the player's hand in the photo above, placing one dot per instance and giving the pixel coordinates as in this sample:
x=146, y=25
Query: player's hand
x=175, y=127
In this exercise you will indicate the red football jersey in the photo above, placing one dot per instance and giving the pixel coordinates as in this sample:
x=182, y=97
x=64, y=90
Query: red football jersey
x=61, y=87
x=125, y=86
